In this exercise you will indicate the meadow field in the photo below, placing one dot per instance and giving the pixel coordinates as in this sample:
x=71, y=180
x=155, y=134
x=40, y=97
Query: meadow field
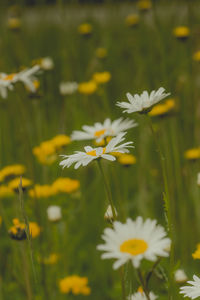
x=79, y=61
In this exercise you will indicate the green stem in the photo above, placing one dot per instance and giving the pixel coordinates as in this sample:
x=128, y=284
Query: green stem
x=123, y=283
x=143, y=283
x=167, y=203
x=107, y=188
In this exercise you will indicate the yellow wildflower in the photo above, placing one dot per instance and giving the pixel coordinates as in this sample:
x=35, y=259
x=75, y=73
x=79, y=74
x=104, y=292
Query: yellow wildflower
x=65, y=185
x=45, y=153
x=14, y=23
x=144, y=5
x=5, y=191
x=196, y=254
x=192, y=154
x=163, y=108
x=127, y=159
x=101, y=52
x=87, y=88
x=60, y=141
x=51, y=259
x=42, y=191
x=14, y=184
x=196, y=56
x=34, y=229
x=75, y=284
x=101, y=77
x=132, y=20
x=12, y=170
x=85, y=29
x=181, y=32
x=17, y=231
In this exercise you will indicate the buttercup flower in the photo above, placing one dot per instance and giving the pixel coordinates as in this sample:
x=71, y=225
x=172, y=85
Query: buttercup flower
x=84, y=158
x=163, y=108
x=192, y=291
x=196, y=254
x=5, y=191
x=65, y=185
x=181, y=32
x=192, y=154
x=196, y=56
x=75, y=284
x=101, y=130
x=132, y=20
x=143, y=102
x=42, y=191
x=85, y=29
x=87, y=88
x=54, y=213
x=12, y=170
x=126, y=159
x=144, y=5
x=134, y=241
x=34, y=229
x=14, y=184
x=180, y=276
x=14, y=23
x=60, y=141
x=101, y=77
x=68, y=88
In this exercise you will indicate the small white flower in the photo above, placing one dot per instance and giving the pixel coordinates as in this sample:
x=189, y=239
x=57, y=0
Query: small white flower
x=47, y=63
x=143, y=102
x=68, y=88
x=84, y=158
x=109, y=214
x=192, y=291
x=101, y=130
x=198, y=179
x=134, y=241
x=180, y=276
x=54, y=213
x=27, y=77
x=142, y=296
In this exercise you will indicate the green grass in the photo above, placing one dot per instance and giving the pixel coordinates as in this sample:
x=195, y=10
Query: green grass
x=141, y=58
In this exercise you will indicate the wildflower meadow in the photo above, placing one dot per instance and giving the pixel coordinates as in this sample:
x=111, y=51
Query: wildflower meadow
x=99, y=150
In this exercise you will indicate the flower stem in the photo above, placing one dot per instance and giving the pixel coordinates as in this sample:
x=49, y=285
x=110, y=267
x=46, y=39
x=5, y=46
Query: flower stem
x=107, y=188
x=143, y=283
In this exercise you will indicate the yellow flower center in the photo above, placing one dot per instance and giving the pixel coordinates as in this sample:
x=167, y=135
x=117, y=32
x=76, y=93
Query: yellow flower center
x=98, y=133
x=9, y=77
x=134, y=246
x=94, y=153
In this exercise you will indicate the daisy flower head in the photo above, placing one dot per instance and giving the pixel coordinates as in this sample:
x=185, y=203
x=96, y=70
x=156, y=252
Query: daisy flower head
x=27, y=77
x=141, y=296
x=142, y=103
x=134, y=241
x=6, y=83
x=84, y=158
x=192, y=291
x=101, y=130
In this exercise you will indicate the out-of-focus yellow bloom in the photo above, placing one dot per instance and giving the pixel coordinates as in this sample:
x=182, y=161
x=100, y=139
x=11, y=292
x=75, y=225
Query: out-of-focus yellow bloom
x=42, y=191
x=14, y=23
x=5, y=191
x=101, y=77
x=132, y=20
x=34, y=229
x=192, y=154
x=60, y=141
x=85, y=29
x=12, y=170
x=196, y=254
x=36, y=84
x=127, y=159
x=65, y=185
x=181, y=32
x=101, y=52
x=87, y=88
x=144, y=5
x=51, y=259
x=163, y=108
x=17, y=231
x=45, y=153
x=196, y=56
x=75, y=284
x=14, y=184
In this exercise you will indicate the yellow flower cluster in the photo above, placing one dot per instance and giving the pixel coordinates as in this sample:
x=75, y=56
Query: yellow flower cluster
x=18, y=232
x=181, y=32
x=192, y=154
x=46, y=152
x=132, y=20
x=196, y=254
x=90, y=87
x=85, y=29
x=60, y=185
x=12, y=170
x=162, y=109
x=75, y=284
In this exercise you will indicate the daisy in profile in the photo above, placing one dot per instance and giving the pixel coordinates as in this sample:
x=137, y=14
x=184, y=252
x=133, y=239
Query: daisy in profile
x=84, y=158
x=143, y=102
x=134, y=241
x=101, y=130
x=192, y=291
x=140, y=295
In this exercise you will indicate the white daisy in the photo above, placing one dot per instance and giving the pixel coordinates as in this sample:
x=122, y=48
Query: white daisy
x=192, y=291
x=143, y=102
x=27, y=77
x=142, y=296
x=54, y=213
x=84, y=158
x=180, y=276
x=46, y=63
x=68, y=88
x=134, y=241
x=101, y=130
x=4, y=87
